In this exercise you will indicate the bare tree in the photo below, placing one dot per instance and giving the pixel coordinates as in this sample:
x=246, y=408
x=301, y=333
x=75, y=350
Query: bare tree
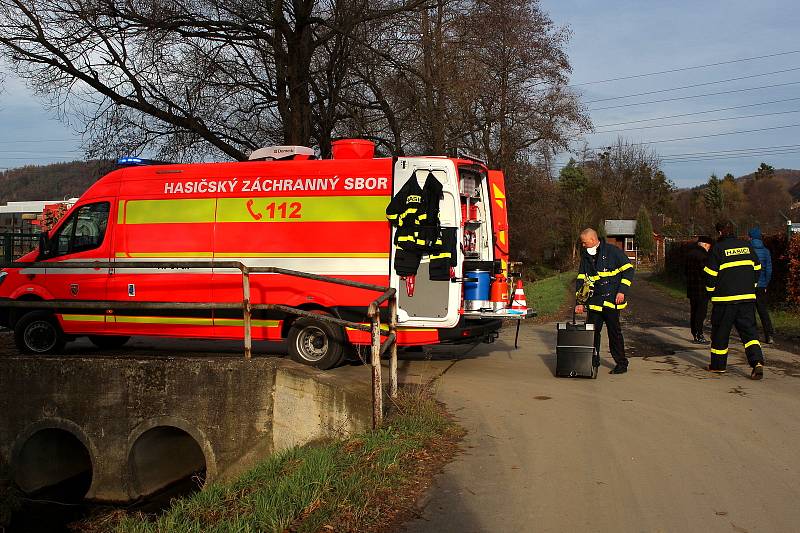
x=188, y=79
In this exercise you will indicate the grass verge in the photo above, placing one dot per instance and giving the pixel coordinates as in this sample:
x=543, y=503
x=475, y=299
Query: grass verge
x=786, y=321
x=549, y=296
x=676, y=288
x=367, y=483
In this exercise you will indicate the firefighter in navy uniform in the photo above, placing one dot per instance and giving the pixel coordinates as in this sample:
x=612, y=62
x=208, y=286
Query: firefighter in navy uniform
x=611, y=273
x=731, y=278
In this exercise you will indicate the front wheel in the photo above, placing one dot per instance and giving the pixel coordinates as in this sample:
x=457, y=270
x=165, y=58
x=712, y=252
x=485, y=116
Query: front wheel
x=38, y=333
x=108, y=342
x=316, y=343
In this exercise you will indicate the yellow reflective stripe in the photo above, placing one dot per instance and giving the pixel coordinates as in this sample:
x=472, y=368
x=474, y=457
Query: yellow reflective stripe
x=303, y=209
x=733, y=298
x=625, y=267
x=757, y=267
x=391, y=217
x=187, y=321
x=240, y=322
x=385, y=327
x=609, y=304
x=751, y=343
x=496, y=192
x=746, y=262
x=594, y=278
x=623, y=305
x=165, y=254
x=441, y=256
x=185, y=211
x=406, y=238
x=581, y=276
x=608, y=274
x=710, y=289
x=83, y=318
x=626, y=282
x=360, y=255
x=595, y=308
x=709, y=271
x=423, y=216
x=719, y=352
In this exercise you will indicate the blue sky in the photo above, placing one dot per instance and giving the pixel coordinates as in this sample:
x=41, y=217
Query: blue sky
x=623, y=38
x=610, y=39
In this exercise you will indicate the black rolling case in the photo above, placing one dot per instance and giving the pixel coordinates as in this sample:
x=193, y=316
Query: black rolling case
x=575, y=353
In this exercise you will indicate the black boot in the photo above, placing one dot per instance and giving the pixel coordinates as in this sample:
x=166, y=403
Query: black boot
x=619, y=369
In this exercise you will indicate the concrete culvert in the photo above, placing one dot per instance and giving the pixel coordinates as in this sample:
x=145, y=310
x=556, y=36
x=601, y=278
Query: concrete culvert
x=54, y=462
x=163, y=456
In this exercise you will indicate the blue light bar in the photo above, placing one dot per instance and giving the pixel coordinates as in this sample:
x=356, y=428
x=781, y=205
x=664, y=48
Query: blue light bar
x=129, y=160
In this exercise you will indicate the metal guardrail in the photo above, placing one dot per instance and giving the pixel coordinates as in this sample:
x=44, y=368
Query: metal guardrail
x=388, y=294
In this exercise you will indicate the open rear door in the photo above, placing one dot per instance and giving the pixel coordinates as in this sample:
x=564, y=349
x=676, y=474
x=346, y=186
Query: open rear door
x=434, y=303
x=499, y=210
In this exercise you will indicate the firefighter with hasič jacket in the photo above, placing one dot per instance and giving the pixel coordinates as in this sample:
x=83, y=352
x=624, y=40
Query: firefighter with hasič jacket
x=610, y=273
x=731, y=278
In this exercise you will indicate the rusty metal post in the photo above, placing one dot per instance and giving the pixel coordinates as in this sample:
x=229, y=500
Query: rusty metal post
x=377, y=386
x=393, y=348
x=248, y=337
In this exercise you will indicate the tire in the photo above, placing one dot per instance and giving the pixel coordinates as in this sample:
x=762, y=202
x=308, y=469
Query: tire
x=316, y=343
x=38, y=333
x=108, y=342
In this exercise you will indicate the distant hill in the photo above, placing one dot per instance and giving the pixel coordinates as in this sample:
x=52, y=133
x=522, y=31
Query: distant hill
x=788, y=176
x=791, y=178
x=51, y=182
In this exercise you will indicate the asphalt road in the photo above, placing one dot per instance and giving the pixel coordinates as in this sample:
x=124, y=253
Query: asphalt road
x=667, y=447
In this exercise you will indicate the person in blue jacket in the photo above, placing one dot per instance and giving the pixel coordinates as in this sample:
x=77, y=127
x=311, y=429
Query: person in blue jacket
x=763, y=281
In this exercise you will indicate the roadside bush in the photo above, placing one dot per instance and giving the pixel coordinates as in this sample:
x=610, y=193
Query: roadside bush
x=793, y=273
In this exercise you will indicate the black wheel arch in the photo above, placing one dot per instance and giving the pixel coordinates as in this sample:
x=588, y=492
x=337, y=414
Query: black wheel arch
x=310, y=307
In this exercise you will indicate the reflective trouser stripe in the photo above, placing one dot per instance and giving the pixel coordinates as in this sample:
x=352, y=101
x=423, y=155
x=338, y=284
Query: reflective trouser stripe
x=734, y=298
x=751, y=343
x=719, y=352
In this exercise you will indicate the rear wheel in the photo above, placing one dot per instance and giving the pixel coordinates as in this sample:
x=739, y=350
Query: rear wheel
x=38, y=332
x=108, y=342
x=316, y=343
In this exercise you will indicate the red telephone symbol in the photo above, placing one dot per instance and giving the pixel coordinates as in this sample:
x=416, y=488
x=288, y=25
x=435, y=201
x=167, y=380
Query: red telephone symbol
x=256, y=216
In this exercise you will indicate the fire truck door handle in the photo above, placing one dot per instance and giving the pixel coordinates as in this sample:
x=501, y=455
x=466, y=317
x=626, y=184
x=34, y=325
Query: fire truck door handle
x=464, y=280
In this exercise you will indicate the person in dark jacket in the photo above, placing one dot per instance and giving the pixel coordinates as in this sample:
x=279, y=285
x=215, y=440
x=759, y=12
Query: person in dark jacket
x=732, y=275
x=695, y=287
x=763, y=281
x=611, y=273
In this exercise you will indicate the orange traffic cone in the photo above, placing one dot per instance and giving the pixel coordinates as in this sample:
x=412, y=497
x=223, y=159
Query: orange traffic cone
x=519, y=302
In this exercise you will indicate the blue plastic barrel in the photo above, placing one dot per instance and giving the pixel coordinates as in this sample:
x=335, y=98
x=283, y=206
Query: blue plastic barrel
x=477, y=290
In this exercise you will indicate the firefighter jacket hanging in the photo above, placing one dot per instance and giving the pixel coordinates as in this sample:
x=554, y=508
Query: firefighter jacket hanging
x=414, y=211
x=610, y=272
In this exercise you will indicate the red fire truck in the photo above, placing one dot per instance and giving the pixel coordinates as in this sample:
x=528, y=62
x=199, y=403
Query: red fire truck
x=284, y=209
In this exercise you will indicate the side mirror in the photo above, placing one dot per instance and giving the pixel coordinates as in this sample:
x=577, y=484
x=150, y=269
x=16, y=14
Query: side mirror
x=44, y=244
